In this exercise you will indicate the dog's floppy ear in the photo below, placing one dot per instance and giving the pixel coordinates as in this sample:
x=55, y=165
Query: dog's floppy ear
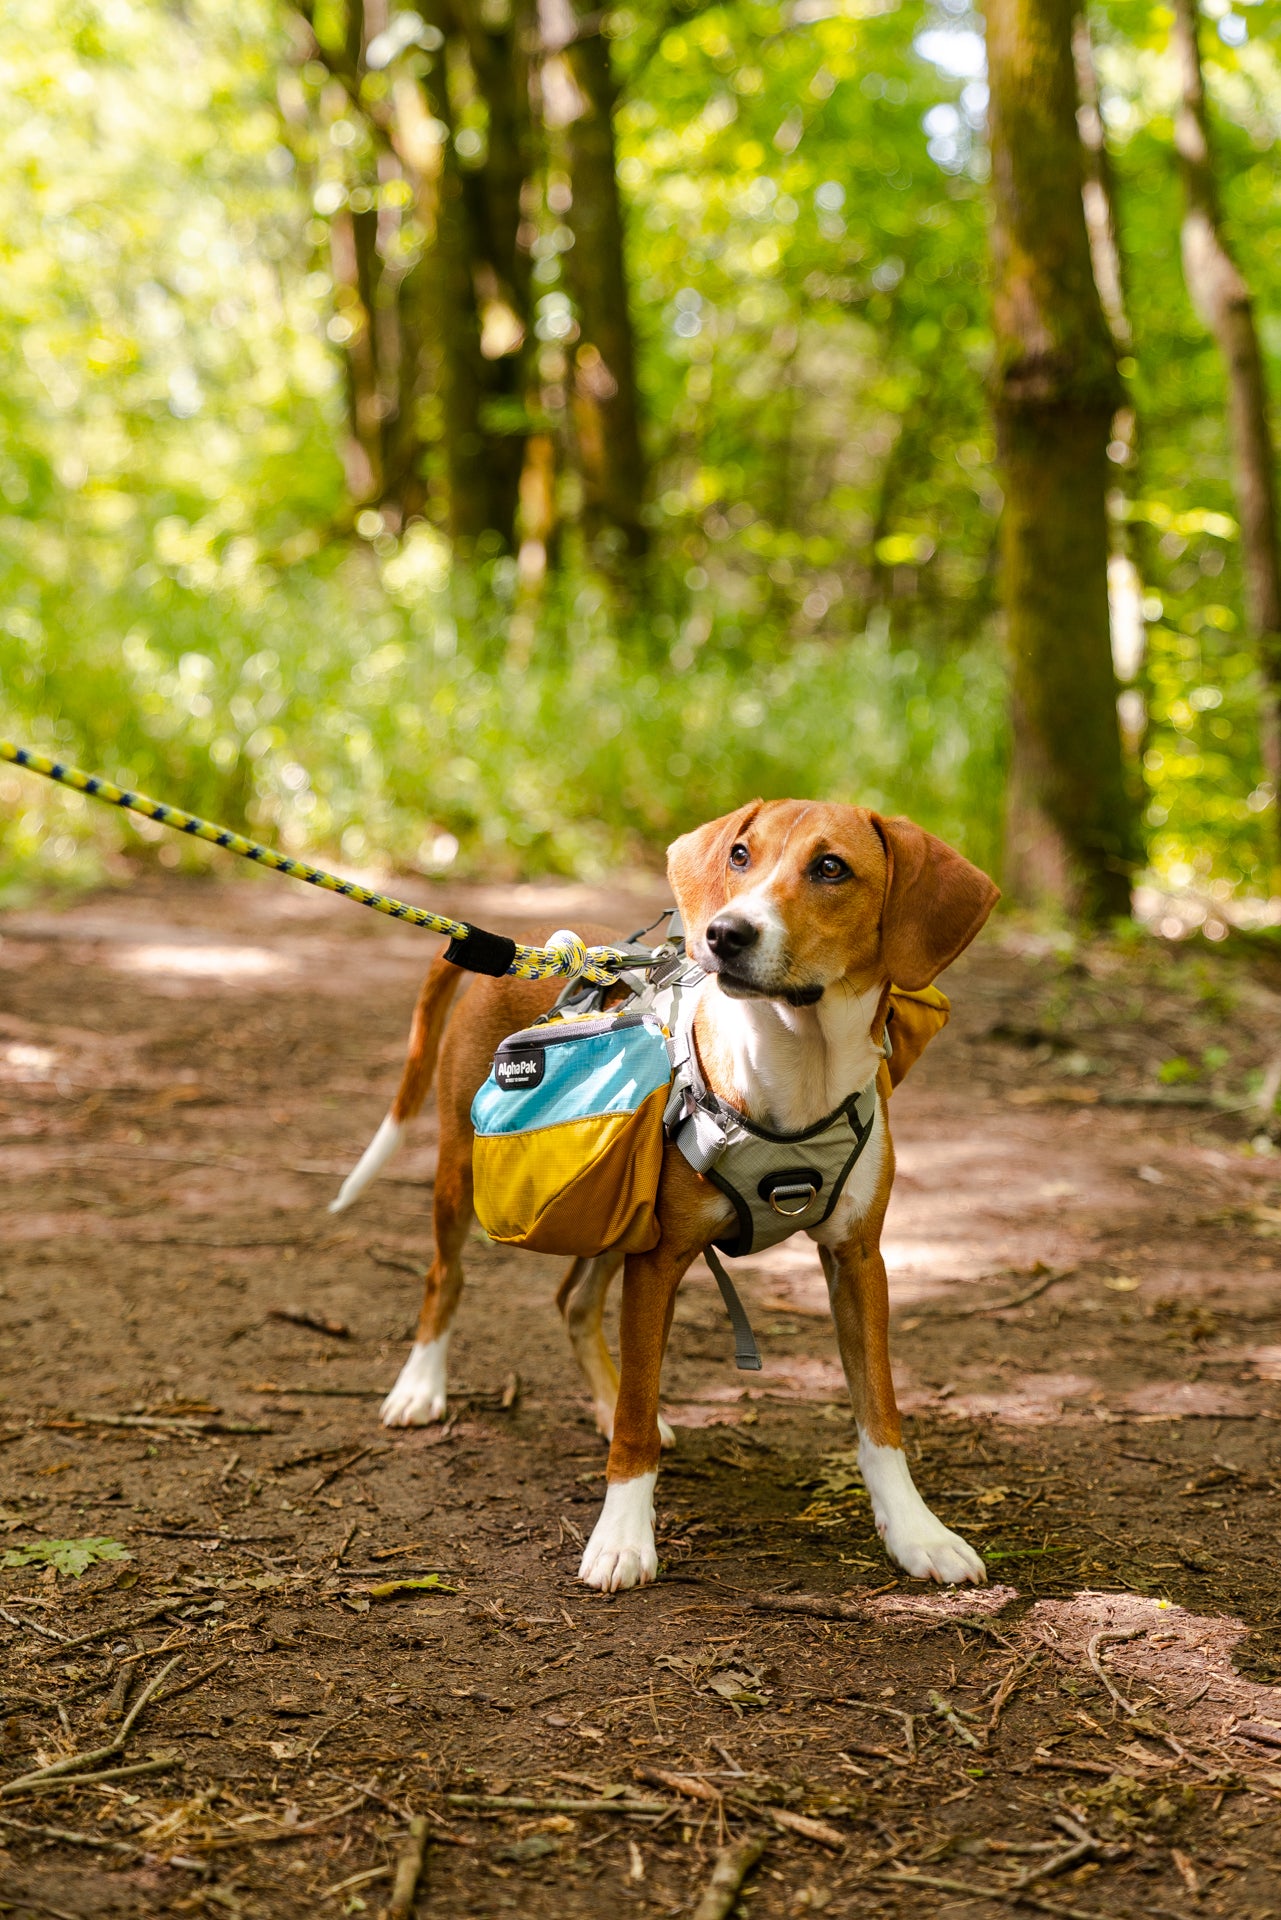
x=935, y=903
x=696, y=866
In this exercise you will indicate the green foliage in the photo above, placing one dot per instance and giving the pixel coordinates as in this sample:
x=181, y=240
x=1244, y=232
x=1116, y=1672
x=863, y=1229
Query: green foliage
x=807, y=239
x=346, y=711
x=70, y=1557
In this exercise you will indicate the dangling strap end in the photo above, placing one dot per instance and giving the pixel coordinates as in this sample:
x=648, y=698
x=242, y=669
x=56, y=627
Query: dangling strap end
x=747, y=1355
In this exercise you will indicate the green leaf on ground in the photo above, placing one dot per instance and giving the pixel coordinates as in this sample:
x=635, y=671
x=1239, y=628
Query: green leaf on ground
x=72, y=1557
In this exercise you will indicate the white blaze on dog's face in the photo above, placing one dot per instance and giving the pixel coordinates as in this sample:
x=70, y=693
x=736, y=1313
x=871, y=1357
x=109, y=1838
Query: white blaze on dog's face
x=786, y=897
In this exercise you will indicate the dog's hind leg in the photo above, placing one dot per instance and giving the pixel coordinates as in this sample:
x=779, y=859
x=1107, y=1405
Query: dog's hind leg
x=581, y=1298
x=419, y=1394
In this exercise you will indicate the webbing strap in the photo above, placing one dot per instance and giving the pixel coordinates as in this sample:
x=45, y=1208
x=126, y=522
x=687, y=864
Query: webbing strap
x=747, y=1355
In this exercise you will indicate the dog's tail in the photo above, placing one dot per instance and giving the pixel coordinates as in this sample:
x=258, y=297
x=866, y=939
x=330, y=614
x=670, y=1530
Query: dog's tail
x=430, y=1014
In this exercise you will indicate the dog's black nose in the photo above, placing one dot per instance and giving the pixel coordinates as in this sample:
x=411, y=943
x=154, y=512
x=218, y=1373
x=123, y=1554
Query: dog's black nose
x=728, y=935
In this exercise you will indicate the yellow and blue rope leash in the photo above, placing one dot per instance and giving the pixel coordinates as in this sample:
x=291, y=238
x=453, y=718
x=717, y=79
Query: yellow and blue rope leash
x=470, y=947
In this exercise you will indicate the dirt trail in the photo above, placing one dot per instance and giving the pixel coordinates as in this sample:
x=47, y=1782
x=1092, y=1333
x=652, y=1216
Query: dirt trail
x=185, y=1074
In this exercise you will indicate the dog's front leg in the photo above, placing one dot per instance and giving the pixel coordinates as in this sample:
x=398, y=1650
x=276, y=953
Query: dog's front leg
x=621, y=1552
x=914, y=1536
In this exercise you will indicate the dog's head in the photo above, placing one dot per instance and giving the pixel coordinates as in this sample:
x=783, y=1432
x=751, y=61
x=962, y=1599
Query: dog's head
x=786, y=897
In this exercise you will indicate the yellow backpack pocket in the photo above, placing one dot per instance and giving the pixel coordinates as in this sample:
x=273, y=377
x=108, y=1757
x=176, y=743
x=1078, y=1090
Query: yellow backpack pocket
x=569, y=1136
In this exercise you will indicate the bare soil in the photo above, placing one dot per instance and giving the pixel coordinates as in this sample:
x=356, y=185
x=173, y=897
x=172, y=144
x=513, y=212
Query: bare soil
x=186, y=1071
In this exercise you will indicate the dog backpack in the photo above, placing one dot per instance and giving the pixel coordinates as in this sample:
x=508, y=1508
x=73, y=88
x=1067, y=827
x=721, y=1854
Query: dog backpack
x=572, y=1121
x=569, y=1135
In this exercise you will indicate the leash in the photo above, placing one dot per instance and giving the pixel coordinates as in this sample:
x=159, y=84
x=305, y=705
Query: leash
x=470, y=947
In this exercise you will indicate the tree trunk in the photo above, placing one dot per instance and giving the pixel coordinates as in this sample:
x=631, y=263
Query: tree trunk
x=604, y=397
x=443, y=289
x=1072, y=835
x=1222, y=299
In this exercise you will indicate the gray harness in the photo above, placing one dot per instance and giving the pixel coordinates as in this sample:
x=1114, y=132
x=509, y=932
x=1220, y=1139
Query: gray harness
x=777, y=1183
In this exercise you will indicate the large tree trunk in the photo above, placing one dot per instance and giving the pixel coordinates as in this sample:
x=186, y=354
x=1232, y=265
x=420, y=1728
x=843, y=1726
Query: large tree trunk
x=498, y=35
x=1072, y=837
x=605, y=404
x=1222, y=298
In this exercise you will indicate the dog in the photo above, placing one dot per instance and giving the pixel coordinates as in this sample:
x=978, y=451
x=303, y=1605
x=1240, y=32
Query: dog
x=802, y=915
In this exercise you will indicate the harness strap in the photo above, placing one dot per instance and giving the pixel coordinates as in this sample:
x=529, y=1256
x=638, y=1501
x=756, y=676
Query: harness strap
x=747, y=1355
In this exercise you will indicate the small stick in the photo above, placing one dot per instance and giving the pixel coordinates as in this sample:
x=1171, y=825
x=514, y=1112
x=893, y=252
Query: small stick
x=511, y=1393
x=78, y=1762
x=695, y=1789
x=197, y=1679
x=33, y=1626
x=409, y=1866
x=396, y=1261
x=1012, y=1679
x=1043, y=1285
x=333, y=1727
x=814, y=1606
x=948, y=1713
x=1058, y=1863
x=326, y=1479
x=162, y=1764
x=1092, y=1655
x=315, y=1322
x=354, y=1880
x=733, y=1864
x=973, y=1891
x=803, y=1824
x=891, y=1713
x=684, y=1783
x=68, y=1839
x=496, y=1802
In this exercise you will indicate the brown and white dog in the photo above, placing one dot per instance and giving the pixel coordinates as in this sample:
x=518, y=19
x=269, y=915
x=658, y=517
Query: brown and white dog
x=802, y=915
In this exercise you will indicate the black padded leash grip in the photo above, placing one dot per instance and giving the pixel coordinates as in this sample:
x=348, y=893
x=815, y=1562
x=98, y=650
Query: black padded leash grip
x=481, y=952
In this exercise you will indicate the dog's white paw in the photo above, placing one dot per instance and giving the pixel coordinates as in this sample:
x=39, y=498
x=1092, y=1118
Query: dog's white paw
x=621, y=1552
x=914, y=1537
x=419, y=1394
x=605, y=1426
x=928, y=1550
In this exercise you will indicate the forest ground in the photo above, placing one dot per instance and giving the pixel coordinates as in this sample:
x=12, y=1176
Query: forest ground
x=187, y=1070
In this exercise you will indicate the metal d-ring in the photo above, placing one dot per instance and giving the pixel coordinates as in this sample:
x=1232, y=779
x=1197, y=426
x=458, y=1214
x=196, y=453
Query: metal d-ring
x=792, y=1193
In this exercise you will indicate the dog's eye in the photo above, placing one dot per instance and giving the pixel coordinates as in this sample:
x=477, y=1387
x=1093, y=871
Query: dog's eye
x=739, y=856
x=831, y=867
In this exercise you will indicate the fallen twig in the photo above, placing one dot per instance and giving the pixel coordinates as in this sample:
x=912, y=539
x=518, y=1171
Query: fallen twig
x=733, y=1864
x=398, y=1262
x=523, y=1803
x=315, y=1322
x=152, y=1422
x=1016, y=1675
x=68, y=1838
x=197, y=1679
x=1112, y=1638
x=947, y=1713
x=335, y=1473
x=695, y=1789
x=47, y=1633
x=409, y=1866
x=890, y=1713
x=79, y=1762
x=1043, y=1285
x=814, y=1606
x=973, y=1891
x=354, y=1880
x=162, y=1763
